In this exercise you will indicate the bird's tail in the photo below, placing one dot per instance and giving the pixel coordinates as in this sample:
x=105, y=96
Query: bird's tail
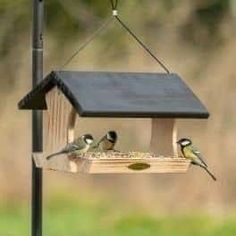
x=212, y=176
x=54, y=154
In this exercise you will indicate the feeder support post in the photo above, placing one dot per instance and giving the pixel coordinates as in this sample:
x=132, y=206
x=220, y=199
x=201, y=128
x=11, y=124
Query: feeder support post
x=37, y=118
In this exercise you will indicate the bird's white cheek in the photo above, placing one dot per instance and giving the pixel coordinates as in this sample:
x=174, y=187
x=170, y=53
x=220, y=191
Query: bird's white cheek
x=185, y=143
x=89, y=141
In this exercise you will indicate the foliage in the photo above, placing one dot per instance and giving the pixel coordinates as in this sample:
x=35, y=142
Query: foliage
x=66, y=18
x=67, y=21
x=65, y=216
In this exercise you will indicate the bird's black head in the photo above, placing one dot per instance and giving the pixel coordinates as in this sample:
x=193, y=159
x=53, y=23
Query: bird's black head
x=183, y=142
x=112, y=136
x=88, y=139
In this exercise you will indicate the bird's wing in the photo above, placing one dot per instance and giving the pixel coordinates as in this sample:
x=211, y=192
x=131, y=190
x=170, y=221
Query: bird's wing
x=98, y=143
x=70, y=147
x=199, y=155
x=74, y=147
x=79, y=144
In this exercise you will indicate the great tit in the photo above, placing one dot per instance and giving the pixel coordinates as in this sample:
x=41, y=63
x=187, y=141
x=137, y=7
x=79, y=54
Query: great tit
x=107, y=142
x=80, y=145
x=191, y=153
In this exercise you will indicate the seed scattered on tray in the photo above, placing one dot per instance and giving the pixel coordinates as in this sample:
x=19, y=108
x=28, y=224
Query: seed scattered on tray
x=118, y=155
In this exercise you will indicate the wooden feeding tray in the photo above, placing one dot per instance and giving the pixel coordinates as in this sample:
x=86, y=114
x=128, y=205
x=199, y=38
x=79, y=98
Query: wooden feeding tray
x=113, y=162
x=160, y=98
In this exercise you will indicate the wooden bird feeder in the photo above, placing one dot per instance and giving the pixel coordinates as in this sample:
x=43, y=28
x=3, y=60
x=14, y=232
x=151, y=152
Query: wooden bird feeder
x=160, y=97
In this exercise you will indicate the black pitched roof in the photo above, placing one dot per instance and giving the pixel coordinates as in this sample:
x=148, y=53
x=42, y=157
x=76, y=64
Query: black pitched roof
x=108, y=94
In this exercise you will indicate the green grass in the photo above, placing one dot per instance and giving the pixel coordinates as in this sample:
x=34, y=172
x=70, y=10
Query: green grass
x=65, y=217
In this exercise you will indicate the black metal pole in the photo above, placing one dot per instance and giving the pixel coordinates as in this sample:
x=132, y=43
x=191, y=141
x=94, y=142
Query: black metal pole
x=37, y=119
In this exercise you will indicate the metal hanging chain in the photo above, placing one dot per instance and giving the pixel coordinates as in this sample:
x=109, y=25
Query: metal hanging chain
x=141, y=43
x=88, y=41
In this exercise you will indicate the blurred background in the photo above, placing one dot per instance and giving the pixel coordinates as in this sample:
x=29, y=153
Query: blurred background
x=196, y=39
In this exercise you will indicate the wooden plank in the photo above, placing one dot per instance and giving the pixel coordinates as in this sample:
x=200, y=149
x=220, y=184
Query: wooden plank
x=71, y=125
x=113, y=163
x=59, y=120
x=154, y=165
x=61, y=163
x=164, y=137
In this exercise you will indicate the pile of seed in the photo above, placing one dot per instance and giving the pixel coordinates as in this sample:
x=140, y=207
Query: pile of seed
x=111, y=154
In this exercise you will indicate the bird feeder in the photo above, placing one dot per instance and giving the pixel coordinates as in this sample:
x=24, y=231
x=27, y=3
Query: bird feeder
x=162, y=98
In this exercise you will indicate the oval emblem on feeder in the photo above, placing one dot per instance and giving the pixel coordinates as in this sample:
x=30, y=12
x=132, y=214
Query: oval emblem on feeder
x=139, y=166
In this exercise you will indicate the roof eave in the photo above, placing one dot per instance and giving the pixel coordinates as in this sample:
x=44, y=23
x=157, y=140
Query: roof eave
x=114, y=114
